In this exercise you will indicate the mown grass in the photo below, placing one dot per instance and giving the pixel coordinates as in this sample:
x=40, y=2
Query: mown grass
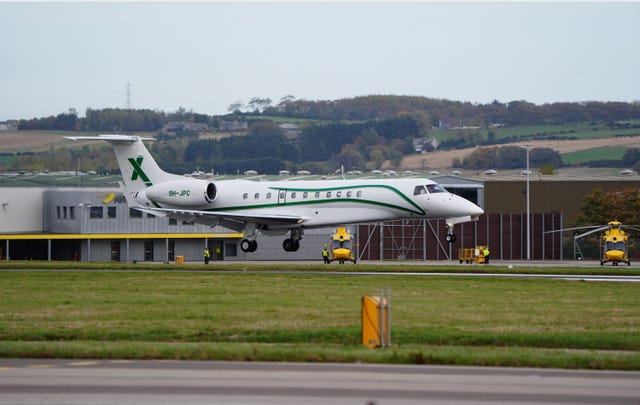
x=362, y=267
x=295, y=317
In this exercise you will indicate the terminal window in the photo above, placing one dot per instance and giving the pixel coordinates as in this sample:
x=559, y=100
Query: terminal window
x=96, y=212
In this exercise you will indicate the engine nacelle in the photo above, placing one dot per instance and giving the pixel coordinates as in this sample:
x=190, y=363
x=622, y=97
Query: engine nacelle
x=185, y=193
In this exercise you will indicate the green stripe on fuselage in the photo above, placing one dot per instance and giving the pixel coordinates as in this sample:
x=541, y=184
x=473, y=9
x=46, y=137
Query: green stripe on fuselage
x=417, y=211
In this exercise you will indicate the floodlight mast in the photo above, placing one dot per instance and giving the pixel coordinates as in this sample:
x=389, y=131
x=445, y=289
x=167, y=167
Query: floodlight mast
x=528, y=148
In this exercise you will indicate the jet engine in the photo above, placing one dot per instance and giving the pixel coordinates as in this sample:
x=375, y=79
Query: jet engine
x=184, y=193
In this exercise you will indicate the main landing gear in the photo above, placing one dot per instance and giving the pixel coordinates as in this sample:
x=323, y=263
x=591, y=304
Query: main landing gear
x=291, y=244
x=249, y=245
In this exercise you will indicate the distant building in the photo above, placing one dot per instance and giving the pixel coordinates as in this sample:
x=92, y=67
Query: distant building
x=11, y=125
x=291, y=131
x=228, y=126
x=421, y=145
x=185, y=126
x=195, y=126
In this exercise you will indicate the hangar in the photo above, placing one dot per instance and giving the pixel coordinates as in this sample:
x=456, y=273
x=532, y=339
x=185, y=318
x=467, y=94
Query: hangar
x=95, y=224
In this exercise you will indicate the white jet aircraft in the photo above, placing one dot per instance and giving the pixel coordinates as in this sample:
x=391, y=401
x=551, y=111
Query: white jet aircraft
x=278, y=207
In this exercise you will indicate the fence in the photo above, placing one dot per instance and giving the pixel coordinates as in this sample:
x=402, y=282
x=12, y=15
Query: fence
x=505, y=234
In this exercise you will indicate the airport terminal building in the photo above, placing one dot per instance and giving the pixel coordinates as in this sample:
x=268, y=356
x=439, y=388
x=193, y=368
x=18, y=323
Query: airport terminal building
x=95, y=224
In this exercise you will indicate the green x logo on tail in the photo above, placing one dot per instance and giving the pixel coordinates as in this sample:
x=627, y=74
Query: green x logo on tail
x=137, y=170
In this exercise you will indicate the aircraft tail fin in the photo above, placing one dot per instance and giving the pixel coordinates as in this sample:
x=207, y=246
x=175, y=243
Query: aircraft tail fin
x=139, y=169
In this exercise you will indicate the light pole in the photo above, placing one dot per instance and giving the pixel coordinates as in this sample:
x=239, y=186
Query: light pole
x=528, y=148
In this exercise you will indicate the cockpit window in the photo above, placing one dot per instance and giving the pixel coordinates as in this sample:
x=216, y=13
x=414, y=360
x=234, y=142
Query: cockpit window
x=419, y=190
x=436, y=188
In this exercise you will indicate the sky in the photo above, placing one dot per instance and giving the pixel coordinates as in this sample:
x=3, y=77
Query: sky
x=205, y=56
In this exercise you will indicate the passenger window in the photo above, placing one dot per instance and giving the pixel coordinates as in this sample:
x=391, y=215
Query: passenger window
x=317, y=194
x=339, y=194
x=268, y=196
x=419, y=190
x=245, y=196
x=293, y=195
x=305, y=195
x=256, y=195
x=359, y=194
x=282, y=193
x=328, y=194
x=348, y=194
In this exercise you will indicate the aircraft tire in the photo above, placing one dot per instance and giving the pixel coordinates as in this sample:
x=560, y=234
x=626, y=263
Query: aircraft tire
x=450, y=238
x=249, y=245
x=291, y=245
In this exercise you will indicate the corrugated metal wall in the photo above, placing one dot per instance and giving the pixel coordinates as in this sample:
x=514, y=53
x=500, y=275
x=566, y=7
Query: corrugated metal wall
x=21, y=211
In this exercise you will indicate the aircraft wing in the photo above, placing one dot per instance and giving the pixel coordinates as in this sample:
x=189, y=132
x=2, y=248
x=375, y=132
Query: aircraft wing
x=227, y=219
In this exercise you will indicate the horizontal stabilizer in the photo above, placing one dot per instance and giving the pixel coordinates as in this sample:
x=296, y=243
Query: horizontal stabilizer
x=109, y=138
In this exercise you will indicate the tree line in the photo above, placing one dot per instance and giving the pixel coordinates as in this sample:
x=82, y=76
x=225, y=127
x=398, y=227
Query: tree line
x=427, y=113
x=455, y=113
x=318, y=148
x=114, y=120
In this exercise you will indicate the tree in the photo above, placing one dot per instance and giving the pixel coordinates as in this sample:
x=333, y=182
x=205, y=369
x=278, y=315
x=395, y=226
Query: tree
x=377, y=157
x=601, y=207
x=545, y=156
x=631, y=156
x=350, y=158
x=236, y=107
x=258, y=104
x=482, y=158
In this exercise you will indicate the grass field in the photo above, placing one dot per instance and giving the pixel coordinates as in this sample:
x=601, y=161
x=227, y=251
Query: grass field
x=298, y=317
x=587, y=155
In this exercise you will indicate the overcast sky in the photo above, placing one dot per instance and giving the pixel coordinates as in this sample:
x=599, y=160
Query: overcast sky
x=207, y=55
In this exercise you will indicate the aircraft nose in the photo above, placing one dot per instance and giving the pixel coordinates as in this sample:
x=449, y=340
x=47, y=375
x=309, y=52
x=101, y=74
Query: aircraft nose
x=465, y=207
x=474, y=210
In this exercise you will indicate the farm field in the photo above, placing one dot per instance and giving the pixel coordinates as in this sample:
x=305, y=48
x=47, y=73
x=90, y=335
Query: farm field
x=316, y=317
x=601, y=153
x=443, y=159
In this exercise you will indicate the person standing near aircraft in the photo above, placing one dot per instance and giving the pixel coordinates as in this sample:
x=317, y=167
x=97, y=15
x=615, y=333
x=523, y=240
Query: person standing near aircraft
x=485, y=253
x=325, y=255
x=207, y=255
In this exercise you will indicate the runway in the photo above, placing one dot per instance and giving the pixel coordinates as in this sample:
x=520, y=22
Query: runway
x=196, y=382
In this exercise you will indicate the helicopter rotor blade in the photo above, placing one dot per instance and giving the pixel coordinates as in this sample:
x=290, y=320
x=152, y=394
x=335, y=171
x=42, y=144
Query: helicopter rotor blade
x=602, y=228
x=577, y=227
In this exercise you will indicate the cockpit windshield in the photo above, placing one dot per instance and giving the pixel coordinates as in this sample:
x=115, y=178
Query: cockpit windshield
x=429, y=188
x=436, y=188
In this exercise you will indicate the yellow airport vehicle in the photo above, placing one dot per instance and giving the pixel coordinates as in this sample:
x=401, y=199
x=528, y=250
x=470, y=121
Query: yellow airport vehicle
x=341, y=247
x=472, y=255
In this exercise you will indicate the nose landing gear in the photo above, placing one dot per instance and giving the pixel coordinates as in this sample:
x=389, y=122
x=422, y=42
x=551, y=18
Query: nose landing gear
x=450, y=237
